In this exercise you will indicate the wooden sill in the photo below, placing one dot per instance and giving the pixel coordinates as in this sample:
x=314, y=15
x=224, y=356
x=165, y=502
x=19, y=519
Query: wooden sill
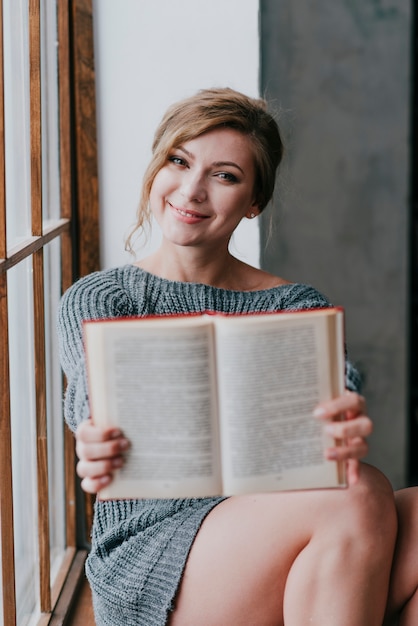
x=82, y=611
x=74, y=605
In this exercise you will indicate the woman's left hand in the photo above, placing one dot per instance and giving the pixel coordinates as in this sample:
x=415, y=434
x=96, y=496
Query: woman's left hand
x=351, y=432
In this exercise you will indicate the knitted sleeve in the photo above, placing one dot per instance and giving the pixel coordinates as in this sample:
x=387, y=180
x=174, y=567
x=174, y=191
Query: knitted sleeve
x=300, y=297
x=96, y=296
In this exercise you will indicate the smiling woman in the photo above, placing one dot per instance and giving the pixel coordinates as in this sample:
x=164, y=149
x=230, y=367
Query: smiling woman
x=211, y=169
x=215, y=560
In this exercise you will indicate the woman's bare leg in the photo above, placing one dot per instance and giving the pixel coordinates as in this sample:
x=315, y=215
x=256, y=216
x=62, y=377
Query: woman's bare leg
x=315, y=557
x=403, y=594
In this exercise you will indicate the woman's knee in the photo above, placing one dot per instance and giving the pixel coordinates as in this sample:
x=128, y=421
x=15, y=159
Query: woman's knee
x=371, y=512
x=374, y=491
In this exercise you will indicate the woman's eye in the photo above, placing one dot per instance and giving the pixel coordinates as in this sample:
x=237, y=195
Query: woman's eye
x=176, y=160
x=230, y=178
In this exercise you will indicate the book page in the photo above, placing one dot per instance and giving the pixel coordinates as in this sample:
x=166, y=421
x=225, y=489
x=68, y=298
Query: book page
x=158, y=387
x=270, y=378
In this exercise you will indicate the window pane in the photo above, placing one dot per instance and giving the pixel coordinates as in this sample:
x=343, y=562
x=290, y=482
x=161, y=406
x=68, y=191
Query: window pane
x=50, y=136
x=22, y=387
x=16, y=110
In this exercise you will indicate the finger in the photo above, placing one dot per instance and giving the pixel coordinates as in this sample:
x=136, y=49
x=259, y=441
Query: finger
x=96, y=469
x=350, y=403
x=88, y=432
x=93, y=485
x=356, y=448
x=353, y=471
x=101, y=450
x=357, y=427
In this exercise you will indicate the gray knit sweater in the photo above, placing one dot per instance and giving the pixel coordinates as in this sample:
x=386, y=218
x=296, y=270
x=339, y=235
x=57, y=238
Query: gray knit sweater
x=140, y=547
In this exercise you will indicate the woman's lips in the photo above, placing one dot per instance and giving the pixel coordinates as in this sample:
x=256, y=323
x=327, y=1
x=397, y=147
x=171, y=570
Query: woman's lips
x=187, y=214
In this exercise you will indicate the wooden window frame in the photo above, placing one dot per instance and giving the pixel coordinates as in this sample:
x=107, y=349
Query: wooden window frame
x=78, y=231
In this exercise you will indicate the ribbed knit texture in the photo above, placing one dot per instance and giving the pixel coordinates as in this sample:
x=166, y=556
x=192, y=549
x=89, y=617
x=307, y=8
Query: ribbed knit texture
x=140, y=547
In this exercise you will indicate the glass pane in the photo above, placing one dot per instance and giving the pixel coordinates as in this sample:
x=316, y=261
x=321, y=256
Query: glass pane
x=50, y=118
x=22, y=387
x=16, y=110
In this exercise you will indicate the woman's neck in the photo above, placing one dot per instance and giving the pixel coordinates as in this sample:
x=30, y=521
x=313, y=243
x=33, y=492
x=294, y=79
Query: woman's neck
x=218, y=270
x=188, y=266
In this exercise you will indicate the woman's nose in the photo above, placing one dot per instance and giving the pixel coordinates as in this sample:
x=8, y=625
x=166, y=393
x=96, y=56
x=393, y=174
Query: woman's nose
x=193, y=187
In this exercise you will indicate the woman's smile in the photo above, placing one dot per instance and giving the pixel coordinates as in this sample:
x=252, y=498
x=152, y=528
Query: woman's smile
x=187, y=215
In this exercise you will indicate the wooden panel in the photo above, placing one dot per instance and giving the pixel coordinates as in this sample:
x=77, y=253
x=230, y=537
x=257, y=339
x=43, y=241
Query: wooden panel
x=66, y=168
x=87, y=200
x=38, y=295
x=70, y=488
x=41, y=431
x=85, y=137
x=35, y=115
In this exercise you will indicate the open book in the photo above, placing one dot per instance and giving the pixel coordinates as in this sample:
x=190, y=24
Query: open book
x=217, y=404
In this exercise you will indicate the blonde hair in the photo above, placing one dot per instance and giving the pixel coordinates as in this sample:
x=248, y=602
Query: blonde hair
x=205, y=111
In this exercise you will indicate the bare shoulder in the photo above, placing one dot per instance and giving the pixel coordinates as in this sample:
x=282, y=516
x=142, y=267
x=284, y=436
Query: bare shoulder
x=270, y=280
x=256, y=279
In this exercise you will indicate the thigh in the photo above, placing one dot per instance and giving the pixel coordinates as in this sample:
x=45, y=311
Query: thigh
x=239, y=563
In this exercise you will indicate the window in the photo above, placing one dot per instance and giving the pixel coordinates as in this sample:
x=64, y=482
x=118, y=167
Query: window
x=48, y=218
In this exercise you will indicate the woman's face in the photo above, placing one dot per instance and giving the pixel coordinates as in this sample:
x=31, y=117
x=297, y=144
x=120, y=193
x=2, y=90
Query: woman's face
x=205, y=188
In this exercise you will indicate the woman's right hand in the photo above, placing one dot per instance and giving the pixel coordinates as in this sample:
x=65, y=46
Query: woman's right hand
x=100, y=452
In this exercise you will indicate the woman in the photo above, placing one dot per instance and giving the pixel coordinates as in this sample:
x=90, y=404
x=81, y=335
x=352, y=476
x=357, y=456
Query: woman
x=313, y=557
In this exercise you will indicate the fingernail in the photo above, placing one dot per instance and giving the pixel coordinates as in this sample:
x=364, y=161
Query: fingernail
x=331, y=454
x=124, y=444
x=116, y=433
x=118, y=462
x=319, y=412
x=329, y=429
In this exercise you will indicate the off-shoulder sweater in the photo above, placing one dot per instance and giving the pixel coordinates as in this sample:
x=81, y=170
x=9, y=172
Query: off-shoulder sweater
x=140, y=547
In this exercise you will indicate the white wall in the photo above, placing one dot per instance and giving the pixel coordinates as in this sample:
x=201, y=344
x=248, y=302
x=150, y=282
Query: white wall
x=150, y=53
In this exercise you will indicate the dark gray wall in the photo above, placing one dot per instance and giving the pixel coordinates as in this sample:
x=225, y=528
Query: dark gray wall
x=339, y=72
